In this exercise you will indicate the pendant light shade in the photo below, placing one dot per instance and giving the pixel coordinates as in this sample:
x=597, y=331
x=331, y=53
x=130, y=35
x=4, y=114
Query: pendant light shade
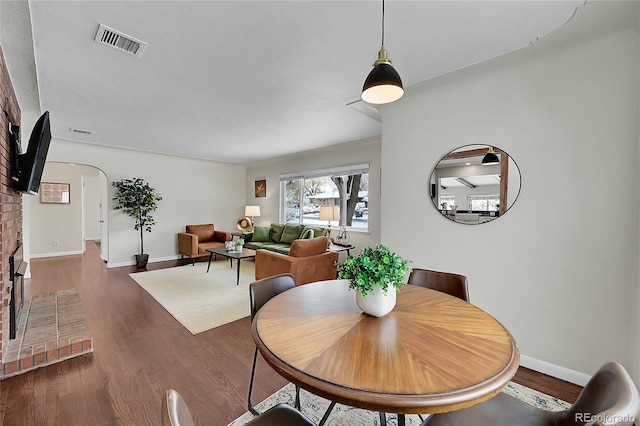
x=490, y=158
x=383, y=84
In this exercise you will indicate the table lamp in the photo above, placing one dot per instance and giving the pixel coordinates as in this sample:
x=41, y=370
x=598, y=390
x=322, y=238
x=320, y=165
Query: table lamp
x=252, y=212
x=329, y=213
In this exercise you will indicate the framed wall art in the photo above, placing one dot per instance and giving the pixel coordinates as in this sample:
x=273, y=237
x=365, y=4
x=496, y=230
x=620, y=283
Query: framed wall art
x=261, y=188
x=55, y=193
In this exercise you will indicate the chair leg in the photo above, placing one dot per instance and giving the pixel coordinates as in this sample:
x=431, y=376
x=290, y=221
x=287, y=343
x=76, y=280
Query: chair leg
x=383, y=419
x=253, y=372
x=296, y=403
x=326, y=413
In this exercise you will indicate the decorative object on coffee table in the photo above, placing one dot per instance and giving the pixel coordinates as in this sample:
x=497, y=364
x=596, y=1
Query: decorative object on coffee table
x=376, y=274
x=137, y=200
x=239, y=243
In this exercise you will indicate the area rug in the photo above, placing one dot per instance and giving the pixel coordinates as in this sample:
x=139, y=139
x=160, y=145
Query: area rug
x=199, y=300
x=314, y=407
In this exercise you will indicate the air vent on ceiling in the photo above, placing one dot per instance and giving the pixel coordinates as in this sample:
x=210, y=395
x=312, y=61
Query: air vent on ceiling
x=120, y=41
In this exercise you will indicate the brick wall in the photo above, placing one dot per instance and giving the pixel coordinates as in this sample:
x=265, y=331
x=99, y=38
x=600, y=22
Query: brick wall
x=10, y=200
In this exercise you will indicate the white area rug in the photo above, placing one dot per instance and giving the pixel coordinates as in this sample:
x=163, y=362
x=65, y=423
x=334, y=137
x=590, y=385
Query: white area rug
x=199, y=300
x=314, y=407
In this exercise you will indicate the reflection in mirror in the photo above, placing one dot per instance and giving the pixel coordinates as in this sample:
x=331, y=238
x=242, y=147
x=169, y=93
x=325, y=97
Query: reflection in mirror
x=474, y=184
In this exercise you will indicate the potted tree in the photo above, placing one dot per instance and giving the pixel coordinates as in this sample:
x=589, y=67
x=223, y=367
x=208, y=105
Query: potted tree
x=376, y=274
x=138, y=200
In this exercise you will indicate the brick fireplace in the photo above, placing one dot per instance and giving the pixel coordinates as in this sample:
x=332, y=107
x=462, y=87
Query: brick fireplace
x=10, y=200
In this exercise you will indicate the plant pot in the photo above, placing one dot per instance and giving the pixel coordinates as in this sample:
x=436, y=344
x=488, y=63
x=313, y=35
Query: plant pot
x=377, y=304
x=141, y=260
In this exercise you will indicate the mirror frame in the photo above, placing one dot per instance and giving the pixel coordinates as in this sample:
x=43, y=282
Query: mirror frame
x=478, y=150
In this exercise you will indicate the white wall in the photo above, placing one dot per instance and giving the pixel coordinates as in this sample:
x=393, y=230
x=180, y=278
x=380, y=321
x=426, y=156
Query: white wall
x=559, y=270
x=193, y=191
x=357, y=152
x=61, y=223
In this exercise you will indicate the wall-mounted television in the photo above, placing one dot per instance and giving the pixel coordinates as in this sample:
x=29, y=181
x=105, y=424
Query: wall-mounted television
x=27, y=167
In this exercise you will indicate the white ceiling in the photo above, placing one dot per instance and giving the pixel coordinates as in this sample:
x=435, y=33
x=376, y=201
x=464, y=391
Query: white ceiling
x=240, y=81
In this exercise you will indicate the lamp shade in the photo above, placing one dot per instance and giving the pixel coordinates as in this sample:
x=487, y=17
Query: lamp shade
x=329, y=213
x=252, y=211
x=383, y=84
x=490, y=158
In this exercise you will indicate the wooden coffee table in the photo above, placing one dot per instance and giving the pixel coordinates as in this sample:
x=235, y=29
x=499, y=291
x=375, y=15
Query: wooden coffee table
x=221, y=251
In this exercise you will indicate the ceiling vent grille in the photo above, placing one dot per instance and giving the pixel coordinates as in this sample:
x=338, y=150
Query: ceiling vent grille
x=120, y=41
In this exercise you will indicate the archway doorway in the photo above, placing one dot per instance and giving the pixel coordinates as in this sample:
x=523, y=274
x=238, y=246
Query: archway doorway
x=58, y=229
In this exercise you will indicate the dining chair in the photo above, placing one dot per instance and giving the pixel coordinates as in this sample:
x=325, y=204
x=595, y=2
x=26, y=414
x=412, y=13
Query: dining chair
x=175, y=411
x=610, y=397
x=260, y=292
x=279, y=415
x=446, y=282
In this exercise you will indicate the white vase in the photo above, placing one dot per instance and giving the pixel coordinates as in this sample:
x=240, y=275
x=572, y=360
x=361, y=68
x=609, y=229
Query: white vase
x=377, y=304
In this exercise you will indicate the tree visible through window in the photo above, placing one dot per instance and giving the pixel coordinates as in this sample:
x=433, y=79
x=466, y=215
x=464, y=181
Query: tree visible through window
x=490, y=203
x=302, y=197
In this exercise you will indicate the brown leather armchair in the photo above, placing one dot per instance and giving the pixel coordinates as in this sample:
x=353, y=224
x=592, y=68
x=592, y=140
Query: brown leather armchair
x=197, y=238
x=308, y=261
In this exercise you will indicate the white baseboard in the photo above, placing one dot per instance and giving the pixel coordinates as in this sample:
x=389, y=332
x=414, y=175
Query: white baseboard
x=55, y=254
x=553, y=370
x=133, y=262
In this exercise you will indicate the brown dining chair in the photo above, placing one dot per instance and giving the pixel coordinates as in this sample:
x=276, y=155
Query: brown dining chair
x=446, y=282
x=260, y=292
x=610, y=394
x=280, y=415
x=175, y=411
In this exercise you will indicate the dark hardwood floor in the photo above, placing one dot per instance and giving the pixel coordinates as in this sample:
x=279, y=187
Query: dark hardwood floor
x=139, y=351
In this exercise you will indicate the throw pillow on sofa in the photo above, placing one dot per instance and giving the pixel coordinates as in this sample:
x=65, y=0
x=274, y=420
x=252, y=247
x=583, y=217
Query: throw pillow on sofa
x=317, y=231
x=304, y=248
x=307, y=234
x=261, y=234
x=276, y=232
x=290, y=233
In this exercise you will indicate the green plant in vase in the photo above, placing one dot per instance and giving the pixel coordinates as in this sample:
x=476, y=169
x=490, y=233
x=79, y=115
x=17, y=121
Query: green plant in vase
x=135, y=198
x=372, y=274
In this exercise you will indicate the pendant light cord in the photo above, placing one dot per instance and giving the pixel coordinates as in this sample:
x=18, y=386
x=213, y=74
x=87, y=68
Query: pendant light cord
x=382, y=23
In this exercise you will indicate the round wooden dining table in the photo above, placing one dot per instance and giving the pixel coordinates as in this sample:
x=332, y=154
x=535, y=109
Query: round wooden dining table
x=433, y=353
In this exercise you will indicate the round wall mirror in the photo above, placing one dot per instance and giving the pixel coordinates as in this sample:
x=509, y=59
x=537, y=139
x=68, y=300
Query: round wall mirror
x=474, y=184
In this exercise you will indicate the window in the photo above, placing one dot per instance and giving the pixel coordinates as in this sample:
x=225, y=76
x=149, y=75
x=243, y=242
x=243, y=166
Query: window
x=488, y=203
x=303, y=194
x=447, y=202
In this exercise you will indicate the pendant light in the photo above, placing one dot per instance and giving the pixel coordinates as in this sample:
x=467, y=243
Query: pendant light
x=490, y=158
x=383, y=84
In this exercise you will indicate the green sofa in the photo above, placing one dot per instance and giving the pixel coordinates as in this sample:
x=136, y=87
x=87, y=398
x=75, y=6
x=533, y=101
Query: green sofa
x=279, y=236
